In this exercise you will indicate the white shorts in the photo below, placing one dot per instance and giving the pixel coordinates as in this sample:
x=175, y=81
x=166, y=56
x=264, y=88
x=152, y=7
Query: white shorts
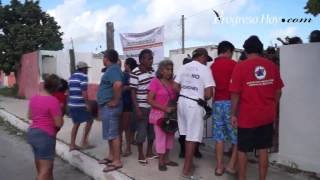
x=190, y=119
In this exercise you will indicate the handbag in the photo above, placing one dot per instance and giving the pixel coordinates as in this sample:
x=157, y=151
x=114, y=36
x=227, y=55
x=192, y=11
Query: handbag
x=169, y=123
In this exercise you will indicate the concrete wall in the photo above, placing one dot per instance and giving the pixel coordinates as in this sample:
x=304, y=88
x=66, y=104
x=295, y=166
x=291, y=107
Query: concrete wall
x=299, y=131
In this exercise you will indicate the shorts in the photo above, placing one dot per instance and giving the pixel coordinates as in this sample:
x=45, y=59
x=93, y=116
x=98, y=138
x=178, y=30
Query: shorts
x=190, y=119
x=79, y=115
x=143, y=128
x=255, y=138
x=110, y=118
x=222, y=129
x=43, y=145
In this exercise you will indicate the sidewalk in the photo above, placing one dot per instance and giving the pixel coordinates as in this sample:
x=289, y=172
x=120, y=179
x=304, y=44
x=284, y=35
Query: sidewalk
x=87, y=160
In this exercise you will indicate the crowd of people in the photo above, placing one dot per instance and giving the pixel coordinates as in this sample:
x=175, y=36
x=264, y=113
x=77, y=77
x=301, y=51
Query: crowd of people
x=148, y=105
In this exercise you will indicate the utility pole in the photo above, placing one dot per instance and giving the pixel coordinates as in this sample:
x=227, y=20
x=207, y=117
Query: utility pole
x=182, y=34
x=110, y=35
x=72, y=59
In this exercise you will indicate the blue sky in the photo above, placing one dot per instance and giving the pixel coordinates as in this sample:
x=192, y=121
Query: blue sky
x=83, y=20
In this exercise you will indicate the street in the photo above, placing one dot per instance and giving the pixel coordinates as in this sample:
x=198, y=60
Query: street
x=17, y=163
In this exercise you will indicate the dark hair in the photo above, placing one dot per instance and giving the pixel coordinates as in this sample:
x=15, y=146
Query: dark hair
x=253, y=45
x=144, y=52
x=132, y=63
x=112, y=55
x=243, y=56
x=314, y=36
x=186, y=60
x=51, y=83
x=295, y=40
x=163, y=64
x=63, y=85
x=224, y=46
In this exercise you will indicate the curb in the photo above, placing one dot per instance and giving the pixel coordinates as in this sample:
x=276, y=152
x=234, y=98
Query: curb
x=78, y=159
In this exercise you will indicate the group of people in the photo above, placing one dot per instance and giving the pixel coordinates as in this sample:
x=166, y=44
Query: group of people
x=137, y=101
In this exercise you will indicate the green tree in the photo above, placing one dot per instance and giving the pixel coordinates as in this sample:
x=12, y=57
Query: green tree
x=24, y=28
x=313, y=7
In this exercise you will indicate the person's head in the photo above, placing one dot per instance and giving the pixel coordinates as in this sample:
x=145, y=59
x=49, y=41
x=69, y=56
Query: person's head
x=243, y=56
x=201, y=55
x=165, y=69
x=314, y=36
x=130, y=64
x=295, y=40
x=51, y=83
x=146, y=58
x=110, y=56
x=63, y=85
x=253, y=45
x=225, y=48
x=82, y=67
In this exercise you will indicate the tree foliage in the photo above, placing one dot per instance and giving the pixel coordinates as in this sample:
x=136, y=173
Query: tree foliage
x=313, y=7
x=24, y=28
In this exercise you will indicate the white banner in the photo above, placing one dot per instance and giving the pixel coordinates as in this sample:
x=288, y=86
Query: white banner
x=133, y=43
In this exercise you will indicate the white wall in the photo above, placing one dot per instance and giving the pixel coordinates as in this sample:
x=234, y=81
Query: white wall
x=299, y=133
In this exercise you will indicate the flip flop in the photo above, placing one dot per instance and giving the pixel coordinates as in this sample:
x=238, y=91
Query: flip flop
x=230, y=171
x=105, y=161
x=153, y=157
x=143, y=162
x=126, y=154
x=88, y=146
x=75, y=148
x=172, y=163
x=110, y=168
x=216, y=173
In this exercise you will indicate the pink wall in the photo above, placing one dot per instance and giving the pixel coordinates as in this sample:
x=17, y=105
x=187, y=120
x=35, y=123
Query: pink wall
x=28, y=77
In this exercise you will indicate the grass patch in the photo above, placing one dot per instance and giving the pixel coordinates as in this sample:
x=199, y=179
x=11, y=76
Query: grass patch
x=10, y=92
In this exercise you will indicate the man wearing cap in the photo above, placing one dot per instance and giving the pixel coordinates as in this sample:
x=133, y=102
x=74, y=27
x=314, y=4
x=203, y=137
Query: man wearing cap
x=193, y=81
x=78, y=110
x=255, y=92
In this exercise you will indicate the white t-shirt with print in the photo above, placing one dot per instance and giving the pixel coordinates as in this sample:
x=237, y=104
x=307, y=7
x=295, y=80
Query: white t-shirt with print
x=193, y=78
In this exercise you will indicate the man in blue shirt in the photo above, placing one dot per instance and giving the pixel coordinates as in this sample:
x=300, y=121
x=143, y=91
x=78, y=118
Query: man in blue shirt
x=110, y=106
x=78, y=96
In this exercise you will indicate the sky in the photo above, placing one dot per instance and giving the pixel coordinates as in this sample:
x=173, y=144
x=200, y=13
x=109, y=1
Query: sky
x=84, y=21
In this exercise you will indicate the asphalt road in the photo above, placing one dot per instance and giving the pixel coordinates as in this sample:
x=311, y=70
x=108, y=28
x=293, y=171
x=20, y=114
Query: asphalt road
x=17, y=162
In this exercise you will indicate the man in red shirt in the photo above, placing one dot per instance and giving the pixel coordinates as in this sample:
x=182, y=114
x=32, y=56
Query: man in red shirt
x=255, y=92
x=222, y=69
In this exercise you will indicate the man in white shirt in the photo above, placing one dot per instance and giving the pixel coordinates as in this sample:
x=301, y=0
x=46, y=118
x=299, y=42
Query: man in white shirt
x=194, y=81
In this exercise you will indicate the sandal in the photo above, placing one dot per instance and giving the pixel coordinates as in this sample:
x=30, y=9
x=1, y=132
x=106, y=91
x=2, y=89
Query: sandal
x=153, y=157
x=105, y=161
x=216, y=173
x=230, y=171
x=110, y=168
x=126, y=154
x=88, y=146
x=78, y=148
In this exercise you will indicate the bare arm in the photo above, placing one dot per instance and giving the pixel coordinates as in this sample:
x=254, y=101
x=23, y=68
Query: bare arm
x=135, y=103
x=234, y=108
x=208, y=92
x=58, y=122
x=117, y=86
x=176, y=87
x=155, y=104
x=278, y=95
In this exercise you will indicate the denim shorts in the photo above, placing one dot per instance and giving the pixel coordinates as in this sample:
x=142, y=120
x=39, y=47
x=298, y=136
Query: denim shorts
x=43, y=145
x=110, y=121
x=80, y=115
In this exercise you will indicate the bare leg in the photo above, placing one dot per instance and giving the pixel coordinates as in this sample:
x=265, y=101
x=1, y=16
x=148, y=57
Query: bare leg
x=116, y=151
x=233, y=160
x=74, y=132
x=149, y=149
x=189, y=147
x=219, y=156
x=263, y=164
x=140, y=152
x=242, y=157
x=46, y=168
x=86, y=132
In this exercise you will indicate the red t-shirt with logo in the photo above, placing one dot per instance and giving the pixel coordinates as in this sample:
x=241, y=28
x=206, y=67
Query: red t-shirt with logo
x=256, y=80
x=221, y=70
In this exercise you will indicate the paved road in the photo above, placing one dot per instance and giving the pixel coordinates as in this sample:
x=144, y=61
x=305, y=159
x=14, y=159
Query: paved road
x=16, y=159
